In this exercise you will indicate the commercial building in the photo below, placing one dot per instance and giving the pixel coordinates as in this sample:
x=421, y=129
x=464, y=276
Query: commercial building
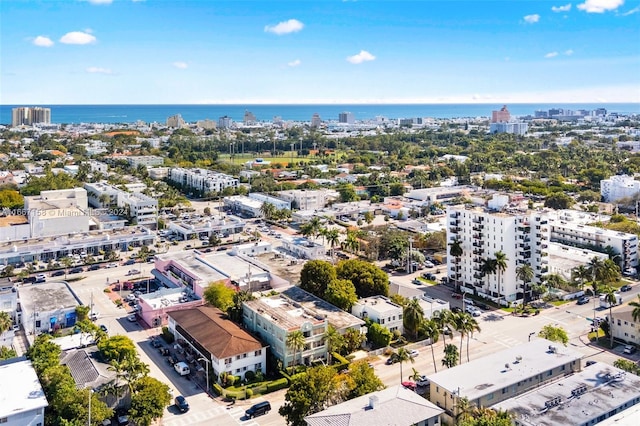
x=501, y=116
x=202, y=180
x=316, y=121
x=590, y=396
x=156, y=306
x=306, y=199
x=492, y=379
x=273, y=318
x=394, y=405
x=569, y=230
x=47, y=307
x=381, y=310
x=251, y=206
x=346, y=118
x=225, y=122
x=522, y=237
x=618, y=187
x=220, y=342
x=440, y=194
x=207, y=226
x=22, y=396
x=26, y=116
x=57, y=212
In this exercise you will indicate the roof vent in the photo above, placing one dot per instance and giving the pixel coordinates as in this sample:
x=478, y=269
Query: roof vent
x=518, y=359
x=373, y=401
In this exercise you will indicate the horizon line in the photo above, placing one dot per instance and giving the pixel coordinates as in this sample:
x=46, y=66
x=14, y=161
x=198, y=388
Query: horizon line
x=325, y=103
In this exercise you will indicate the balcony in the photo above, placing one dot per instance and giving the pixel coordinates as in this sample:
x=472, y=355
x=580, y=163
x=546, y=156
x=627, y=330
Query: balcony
x=478, y=228
x=478, y=219
x=477, y=244
x=477, y=236
x=478, y=251
x=454, y=223
x=454, y=230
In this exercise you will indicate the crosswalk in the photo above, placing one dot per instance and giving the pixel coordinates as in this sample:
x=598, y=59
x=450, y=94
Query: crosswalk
x=495, y=336
x=214, y=415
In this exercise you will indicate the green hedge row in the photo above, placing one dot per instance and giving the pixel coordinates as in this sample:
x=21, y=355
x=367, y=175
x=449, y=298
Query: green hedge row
x=342, y=362
x=277, y=385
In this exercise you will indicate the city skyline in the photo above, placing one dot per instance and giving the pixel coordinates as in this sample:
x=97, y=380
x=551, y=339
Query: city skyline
x=147, y=52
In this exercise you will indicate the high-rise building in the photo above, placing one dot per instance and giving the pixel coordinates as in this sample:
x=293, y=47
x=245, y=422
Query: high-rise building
x=224, y=122
x=30, y=115
x=502, y=116
x=346, y=117
x=249, y=117
x=176, y=121
x=316, y=121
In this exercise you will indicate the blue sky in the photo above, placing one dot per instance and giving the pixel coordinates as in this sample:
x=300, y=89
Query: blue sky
x=324, y=51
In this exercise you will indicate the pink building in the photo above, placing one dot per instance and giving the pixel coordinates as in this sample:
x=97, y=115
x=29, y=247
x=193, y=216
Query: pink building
x=502, y=116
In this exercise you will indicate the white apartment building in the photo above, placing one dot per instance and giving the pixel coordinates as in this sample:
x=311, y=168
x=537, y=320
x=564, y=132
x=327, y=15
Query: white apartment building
x=145, y=160
x=381, y=310
x=303, y=248
x=277, y=202
x=23, y=400
x=142, y=209
x=624, y=327
x=98, y=166
x=176, y=121
x=523, y=237
x=202, y=180
x=575, y=234
x=617, y=187
x=305, y=199
x=514, y=128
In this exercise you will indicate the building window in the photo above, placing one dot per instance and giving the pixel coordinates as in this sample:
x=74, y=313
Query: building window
x=4, y=420
x=228, y=361
x=258, y=352
x=237, y=370
x=258, y=366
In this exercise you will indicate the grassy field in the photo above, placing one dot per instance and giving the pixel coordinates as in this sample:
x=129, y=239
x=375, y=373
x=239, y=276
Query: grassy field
x=284, y=160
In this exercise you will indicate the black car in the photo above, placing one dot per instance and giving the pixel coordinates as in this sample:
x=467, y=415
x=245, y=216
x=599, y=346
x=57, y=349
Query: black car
x=156, y=343
x=482, y=306
x=391, y=360
x=181, y=404
x=258, y=409
x=583, y=300
x=103, y=327
x=130, y=262
x=76, y=270
x=58, y=273
x=625, y=287
x=94, y=267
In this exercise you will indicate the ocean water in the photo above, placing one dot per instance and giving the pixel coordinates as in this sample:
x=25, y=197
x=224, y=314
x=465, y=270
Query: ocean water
x=70, y=114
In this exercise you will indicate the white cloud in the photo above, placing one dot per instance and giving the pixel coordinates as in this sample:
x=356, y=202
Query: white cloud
x=551, y=55
x=565, y=8
x=98, y=70
x=77, y=37
x=361, y=57
x=568, y=52
x=294, y=63
x=181, y=65
x=285, y=27
x=100, y=1
x=600, y=6
x=42, y=41
x=632, y=11
x=531, y=19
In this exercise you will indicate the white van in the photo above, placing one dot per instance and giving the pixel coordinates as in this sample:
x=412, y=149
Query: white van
x=182, y=368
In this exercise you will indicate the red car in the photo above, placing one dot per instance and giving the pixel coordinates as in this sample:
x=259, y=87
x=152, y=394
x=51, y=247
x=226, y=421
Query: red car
x=410, y=385
x=456, y=295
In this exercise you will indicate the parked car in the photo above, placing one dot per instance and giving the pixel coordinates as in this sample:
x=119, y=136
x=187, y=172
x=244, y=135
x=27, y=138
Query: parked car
x=133, y=272
x=103, y=328
x=163, y=351
x=591, y=362
x=93, y=316
x=422, y=381
x=416, y=281
x=391, y=360
x=429, y=264
x=112, y=265
x=57, y=273
x=156, y=343
x=625, y=287
x=40, y=278
x=414, y=353
x=76, y=270
x=429, y=276
x=132, y=318
x=629, y=349
x=94, y=267
x=258, y=409
x=409, y=385
x=583, y=300
x=482, y=306
x=181, y=404
x=456, y=310
x=130, y=262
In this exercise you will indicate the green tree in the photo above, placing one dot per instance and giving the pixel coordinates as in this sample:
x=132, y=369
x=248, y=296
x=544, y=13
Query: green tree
x=525, y=274
x=468, y=325
x=316, y=276
x=378, y=335
x=455, y=251
x=559, y=201
x=353, y=340
x=451, y=356
x=7, y=353
x=308, y=394
x=555, y=334
x=412, y=317
x=635, y=313
x=148, y=400
x=368, y=279
x=364, y=380
x=612, y=299
x=296, y=342
x=219, y=295
x=44, y=353
x=5, y=321
x=431, y=330
x=500, y=259
x=347, y=193
x=333, y=238
x=334, y=341
x=117, y=348
x=626, y=365
x=401, y=356
x=342, y=294
x=268, y=210
x=582, y=274
x=368, y=217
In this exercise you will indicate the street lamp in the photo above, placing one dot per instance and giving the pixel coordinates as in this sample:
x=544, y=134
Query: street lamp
x=531, y=334
x=206, y=372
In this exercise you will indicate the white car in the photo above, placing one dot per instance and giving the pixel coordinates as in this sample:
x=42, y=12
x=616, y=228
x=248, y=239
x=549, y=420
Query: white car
x=132, y=318
x=112, y=265
x=422, y=381
x=414, y=353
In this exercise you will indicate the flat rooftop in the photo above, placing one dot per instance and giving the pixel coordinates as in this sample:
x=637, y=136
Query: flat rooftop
x=25, y=392
x=166, y=297
x=489, y=374
x=193, y=263
x=294, y=306
x=576, y=399
x=49, y=296
x=13, y=220
x=380, y=304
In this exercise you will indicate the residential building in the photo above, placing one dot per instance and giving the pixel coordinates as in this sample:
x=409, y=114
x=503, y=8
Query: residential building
x=307, y=199
x=501, y=116
x=523, y=237
x=158, y=173
x=513, y=128
x=209, y=336
x=26, y=116
x=618, y=187
x=22, y=396
x=381, y=310
x=346, y=118
x=84, y=363
x=249, y=118
x=98, y=166
x=274, y=318
x=431, y=305
x=176, y=122
x=316, y=121
x=202, y=180
x=303, y=248
x=145, y=160
x=207, y=124
x=277, y=202
x=624, y=327
x=47, y=307
x=251, y=206
x=155, y=306
x=225, y=122
x=492, y=379
x=440, y=194
x=139, y=208
x=394, y=405
x=568, y=229
x=590, y=396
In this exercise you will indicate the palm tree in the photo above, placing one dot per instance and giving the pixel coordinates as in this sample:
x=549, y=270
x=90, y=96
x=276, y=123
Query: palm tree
x=611, y=299
x=5, y=322
x=487, y=268
x=501, y=266
x=415, y=376
x=525, y=274
x=464, y=409
x=582, y=274
x=470, y=325
x=455, y=251
x=595, y=266
x=119, y=367
x=432, y=332
x=412, y=316
x=442, y=319
x=267, y=209
x=296, y=341
x=67, y=262
x=334, y=341
x=351, y=243
x=333, y=238
x=636, y=309
x=402, y=355
x=459, y=325
x=450, y=356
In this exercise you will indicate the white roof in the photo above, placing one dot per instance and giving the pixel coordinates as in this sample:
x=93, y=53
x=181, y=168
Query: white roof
x=24, y=393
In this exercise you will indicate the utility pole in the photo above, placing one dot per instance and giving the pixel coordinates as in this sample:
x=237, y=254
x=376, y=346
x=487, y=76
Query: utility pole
x=409, y=269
